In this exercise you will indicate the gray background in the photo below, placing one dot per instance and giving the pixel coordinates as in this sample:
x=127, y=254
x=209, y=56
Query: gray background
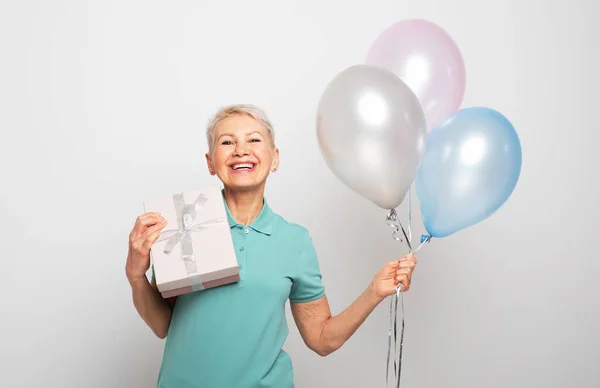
x=103, y=105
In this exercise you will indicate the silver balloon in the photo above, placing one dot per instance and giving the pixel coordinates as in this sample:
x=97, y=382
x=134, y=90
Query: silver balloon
x=372, y=133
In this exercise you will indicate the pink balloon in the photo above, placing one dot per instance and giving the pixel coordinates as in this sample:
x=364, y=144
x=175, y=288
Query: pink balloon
x=427, y=59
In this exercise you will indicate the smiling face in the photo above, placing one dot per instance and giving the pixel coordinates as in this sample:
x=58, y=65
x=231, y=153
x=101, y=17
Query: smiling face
x=243, y=153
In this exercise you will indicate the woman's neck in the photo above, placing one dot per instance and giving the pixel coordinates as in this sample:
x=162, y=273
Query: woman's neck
x=245, y=206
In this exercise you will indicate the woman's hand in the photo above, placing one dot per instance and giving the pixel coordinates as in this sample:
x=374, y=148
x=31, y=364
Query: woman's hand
x=146, y=230
x=394, y=272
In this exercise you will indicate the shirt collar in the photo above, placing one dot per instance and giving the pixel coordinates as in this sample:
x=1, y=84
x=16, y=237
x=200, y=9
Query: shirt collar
x=262, y=224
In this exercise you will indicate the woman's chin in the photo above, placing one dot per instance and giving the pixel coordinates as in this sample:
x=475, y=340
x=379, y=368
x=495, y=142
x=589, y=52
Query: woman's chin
x=240, y=183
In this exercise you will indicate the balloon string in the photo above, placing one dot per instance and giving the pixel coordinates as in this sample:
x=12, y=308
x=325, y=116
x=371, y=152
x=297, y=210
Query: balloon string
x=410, y=214
x=394, y=345
x=399, y=295
x=394, y=222
x=391, y=341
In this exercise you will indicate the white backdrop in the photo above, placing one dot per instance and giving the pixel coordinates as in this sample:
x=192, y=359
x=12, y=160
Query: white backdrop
x=103, y=104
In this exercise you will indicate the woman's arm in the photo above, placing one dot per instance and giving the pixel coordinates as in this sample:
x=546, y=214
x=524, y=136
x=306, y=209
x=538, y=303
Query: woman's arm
x=324, y=333
x=151, y=306
x=149, y=303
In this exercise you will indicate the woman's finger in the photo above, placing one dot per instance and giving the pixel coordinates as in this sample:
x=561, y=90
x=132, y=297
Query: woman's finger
x=409, y=258
x=150, y=240
x=143, y=221
x=407, y=264
x=404, y=279
x=151, y=229
x=403, y=271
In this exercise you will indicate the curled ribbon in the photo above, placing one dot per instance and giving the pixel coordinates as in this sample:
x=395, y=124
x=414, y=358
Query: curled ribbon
x=395, y=343
x=186, y=216
x=392, y=220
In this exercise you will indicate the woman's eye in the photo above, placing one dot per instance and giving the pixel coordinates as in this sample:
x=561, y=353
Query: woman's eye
x=255, y=140
x=226, y=142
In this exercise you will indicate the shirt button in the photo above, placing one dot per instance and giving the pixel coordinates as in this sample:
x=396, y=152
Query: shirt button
x=241, y=249
x=246, y=231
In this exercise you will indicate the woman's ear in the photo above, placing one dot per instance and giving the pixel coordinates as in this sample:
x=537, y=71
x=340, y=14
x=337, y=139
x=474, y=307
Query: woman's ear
x=209, y=164
x=275, y=163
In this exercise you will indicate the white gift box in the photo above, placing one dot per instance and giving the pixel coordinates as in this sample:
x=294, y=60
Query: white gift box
x=195, y=250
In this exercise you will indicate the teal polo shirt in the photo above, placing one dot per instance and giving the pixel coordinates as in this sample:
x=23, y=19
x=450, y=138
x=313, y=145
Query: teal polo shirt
x=232, y=336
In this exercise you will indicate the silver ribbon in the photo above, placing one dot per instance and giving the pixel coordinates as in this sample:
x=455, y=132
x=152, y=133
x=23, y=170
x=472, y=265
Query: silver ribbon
x=394, y=222
x=186, y=216
x=395, y=345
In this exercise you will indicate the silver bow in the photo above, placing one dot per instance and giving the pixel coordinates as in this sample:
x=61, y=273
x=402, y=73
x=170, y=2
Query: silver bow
x=186, y=216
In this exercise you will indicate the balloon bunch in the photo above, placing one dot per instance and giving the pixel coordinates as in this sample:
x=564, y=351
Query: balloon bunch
x=396, y=120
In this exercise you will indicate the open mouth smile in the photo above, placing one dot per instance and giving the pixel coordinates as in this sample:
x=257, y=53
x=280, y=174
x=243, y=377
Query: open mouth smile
x=242, y=167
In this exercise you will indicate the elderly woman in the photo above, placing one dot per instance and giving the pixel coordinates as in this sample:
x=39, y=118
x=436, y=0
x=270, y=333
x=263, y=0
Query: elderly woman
x=232, y=336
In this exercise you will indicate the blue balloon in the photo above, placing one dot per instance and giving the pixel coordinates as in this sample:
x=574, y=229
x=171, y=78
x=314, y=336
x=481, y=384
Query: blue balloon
x=469, y=170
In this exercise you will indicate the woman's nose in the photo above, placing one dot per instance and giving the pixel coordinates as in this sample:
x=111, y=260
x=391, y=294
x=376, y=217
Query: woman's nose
x=241, y=148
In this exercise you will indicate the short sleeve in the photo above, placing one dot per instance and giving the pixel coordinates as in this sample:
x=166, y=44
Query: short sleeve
x=307, y=282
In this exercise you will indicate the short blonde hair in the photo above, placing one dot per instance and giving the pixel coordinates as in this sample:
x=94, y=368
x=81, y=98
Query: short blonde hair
x=238, y=109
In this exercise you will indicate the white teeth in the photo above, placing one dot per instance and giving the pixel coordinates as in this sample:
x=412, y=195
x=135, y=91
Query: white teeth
x=242, y=165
